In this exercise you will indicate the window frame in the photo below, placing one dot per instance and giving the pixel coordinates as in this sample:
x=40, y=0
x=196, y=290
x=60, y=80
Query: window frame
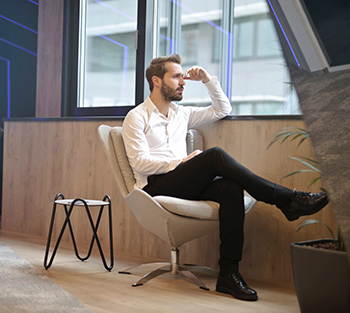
x=70, y=64
x=146, y=10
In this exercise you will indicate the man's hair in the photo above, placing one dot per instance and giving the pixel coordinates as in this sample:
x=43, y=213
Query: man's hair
x=158, y=68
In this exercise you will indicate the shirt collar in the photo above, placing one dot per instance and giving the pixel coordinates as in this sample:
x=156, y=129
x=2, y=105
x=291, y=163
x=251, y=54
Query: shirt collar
x=152, y=108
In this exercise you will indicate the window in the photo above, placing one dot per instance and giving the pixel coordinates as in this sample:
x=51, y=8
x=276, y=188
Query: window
x=200, y=32
x=107, y=53
x=260, y=79
x=234, y=40
x=245, y=39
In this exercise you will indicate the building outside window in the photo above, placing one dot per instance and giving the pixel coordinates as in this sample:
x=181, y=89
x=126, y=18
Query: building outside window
x=238, y=44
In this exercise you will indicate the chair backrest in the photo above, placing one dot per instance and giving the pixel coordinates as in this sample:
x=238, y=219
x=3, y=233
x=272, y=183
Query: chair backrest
x=194, y=141
x=113, y=145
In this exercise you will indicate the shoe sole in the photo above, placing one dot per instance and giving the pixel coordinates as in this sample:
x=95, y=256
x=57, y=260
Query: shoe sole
x=240, y=297
x=295, y=216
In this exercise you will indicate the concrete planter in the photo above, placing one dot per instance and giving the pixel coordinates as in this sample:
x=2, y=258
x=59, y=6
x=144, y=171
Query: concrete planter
x=321, y=278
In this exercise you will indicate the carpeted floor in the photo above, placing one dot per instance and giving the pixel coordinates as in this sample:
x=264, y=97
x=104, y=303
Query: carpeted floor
x=23, y=288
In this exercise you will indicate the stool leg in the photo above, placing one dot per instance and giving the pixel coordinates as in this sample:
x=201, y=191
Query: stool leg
x=94, y=230
x=93, y=236
x=73, y=238
x=110, y=230
x=49, y=238
x=60, y=235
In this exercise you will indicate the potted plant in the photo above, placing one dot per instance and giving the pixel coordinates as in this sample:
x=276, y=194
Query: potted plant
x=321, y=268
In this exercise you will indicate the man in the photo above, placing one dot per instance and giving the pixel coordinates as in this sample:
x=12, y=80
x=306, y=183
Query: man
x=154, y=135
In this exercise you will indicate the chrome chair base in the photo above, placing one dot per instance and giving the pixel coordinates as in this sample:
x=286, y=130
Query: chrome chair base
x=174, y=268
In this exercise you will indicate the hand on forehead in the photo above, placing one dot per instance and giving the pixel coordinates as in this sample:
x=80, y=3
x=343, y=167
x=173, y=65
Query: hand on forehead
x=197, y=73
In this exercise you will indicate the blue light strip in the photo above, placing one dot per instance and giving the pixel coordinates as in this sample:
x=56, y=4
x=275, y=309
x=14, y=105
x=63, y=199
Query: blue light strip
x=8, y=86
x=33, y=2
x=284, y=34
x=125, y=61
x=115, y=10
x=113, y=41
x=171, y=43
x=17, y=46
x=5, y=18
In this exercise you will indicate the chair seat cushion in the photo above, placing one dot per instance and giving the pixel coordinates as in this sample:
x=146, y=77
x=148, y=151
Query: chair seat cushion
x=205, y=210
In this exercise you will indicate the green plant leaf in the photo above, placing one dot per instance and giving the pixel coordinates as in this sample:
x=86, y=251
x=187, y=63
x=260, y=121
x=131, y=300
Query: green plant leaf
x=318, y=178
x=297, y=136
x=298, y=172
x=309, y=222
x=303, y=139
x=288, y=132
x=306, y=163
x=310, y=160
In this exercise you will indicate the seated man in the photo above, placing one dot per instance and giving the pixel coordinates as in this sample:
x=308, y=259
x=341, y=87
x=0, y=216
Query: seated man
x=154, y=135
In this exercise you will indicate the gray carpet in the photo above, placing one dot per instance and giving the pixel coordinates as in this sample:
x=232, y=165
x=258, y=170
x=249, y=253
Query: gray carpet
x=23, y=288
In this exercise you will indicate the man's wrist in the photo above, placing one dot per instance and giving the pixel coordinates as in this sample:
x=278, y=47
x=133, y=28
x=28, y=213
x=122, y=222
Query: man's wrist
x=208, y=79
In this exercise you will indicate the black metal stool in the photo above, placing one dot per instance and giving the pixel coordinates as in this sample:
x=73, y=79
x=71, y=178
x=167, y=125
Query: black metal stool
x=94, y=227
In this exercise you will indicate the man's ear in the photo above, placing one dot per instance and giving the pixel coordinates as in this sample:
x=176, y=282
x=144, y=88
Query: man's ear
x=156, y=81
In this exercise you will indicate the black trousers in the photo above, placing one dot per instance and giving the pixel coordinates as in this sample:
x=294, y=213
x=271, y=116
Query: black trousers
x=215, y=175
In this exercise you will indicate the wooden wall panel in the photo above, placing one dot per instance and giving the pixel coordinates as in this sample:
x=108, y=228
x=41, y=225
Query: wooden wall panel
x=43, y=158
x=49, y=65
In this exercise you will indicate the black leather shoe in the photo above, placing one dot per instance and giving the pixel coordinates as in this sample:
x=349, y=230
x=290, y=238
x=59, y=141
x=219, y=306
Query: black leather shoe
x=235, y=285
x=304, y=203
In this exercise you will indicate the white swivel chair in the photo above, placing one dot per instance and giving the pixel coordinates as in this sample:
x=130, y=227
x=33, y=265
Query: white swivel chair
x=174, y=220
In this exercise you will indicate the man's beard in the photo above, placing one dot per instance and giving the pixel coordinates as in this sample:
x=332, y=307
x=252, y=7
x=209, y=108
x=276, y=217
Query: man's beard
x=169, y=94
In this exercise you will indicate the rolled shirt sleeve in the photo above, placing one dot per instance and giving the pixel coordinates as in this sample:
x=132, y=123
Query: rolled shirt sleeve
x=220, y=107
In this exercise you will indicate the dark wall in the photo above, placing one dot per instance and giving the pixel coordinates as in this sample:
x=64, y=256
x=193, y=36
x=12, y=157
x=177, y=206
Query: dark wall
x=18, y=48
x=18, y=57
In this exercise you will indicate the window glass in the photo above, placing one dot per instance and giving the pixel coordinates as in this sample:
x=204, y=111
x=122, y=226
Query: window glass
x=267, y=40
x=260, y=80
x=245, y=39
x=108, y=54
x=233, y=40
x=189, y=43
x=193, y=29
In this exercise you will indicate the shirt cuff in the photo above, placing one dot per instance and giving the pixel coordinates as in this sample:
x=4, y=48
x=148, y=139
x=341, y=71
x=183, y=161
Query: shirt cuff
x=213, y=84
x=174, y=163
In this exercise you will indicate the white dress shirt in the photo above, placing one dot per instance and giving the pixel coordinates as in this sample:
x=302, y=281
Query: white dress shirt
x=156, y=144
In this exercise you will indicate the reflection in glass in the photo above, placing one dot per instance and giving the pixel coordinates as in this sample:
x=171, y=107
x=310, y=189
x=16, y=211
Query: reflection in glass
x=192, y=28
x=245, y=39
x=109, y=54
x=261, y=82
x=237, y=43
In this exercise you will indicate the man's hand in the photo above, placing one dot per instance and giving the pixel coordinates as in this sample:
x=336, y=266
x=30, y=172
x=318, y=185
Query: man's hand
x=197, y=73
x=190, y=156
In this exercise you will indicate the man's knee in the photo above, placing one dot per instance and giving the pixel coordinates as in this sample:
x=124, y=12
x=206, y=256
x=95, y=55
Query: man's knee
x=218, y=157
x=216, y=151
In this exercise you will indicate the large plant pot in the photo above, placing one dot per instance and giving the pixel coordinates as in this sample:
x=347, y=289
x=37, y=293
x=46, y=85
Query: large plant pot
x=321, y=278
